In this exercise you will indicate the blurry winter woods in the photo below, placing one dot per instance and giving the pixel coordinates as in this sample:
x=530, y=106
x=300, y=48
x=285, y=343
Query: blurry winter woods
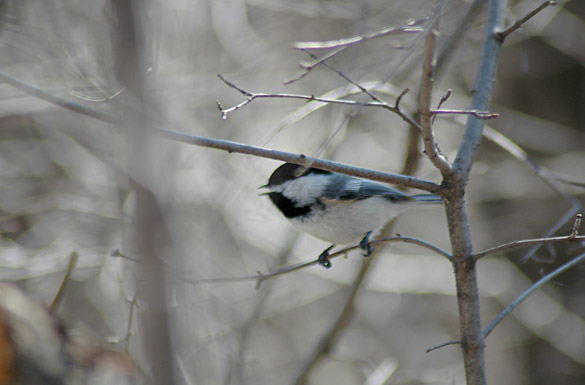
x=145, y=249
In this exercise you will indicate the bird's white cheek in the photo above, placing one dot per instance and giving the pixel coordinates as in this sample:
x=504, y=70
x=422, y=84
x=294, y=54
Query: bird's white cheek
x=304, y=191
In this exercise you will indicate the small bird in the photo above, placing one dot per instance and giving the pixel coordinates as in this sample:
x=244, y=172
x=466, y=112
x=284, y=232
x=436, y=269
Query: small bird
x=335, y=207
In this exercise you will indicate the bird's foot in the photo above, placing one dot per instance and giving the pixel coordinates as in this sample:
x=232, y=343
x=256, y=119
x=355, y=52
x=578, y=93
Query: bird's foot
x=324, y=258
x=365, y=245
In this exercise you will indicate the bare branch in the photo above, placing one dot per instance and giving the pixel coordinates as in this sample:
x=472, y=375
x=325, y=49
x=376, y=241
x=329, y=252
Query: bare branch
x=431, y=148
x=399, y=99
x=347, y=78
x=346, y=250
x=529, y=242
x=226, y=145
x=312, y=98
x=568, y=216
x=504, y=34
x=483, y=91
x=444, y=98
x=484, y=115
x=568, y=181
x=118, y=253
x=342, y=252
x=341, y=45
x=89, y=99
x=309, y=66
x=531, y=290
x=443, y=345
x=303, y=160
x=356, y=39
x=517, y=152
x=57, y=100
x=464, y=265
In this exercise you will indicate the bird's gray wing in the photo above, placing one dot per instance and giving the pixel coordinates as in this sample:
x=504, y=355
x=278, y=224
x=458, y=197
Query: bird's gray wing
x=346, y=188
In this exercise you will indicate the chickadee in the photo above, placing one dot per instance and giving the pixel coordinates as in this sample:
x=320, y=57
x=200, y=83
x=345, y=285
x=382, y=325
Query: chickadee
x=335, y=207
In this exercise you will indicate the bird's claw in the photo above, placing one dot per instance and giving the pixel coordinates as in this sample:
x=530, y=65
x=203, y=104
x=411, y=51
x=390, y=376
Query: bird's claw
x=365, y=245
x=324, y=258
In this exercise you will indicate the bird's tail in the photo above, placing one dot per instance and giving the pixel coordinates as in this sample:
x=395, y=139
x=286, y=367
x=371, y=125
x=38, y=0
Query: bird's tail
x=427, y=198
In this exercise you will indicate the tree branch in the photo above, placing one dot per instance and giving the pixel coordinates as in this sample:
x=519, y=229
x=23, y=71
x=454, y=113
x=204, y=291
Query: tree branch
x=517, y=152
x=504, y=34
x=529, y=242
x=251, y=96
x=302, y=160
x=531, y=290
x=431, y=148
x=443, y=345
x=342, y=252
x=357, y=39
x=472, y=341
x=484, y=115
x=482, y=90
x=226, y=145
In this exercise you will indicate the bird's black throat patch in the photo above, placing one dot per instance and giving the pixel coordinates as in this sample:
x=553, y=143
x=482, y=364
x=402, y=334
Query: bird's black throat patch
x=287, y=206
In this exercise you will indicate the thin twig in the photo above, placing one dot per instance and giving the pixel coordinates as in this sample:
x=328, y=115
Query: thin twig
x=443, y=344
x=483, y=91
x=399, y=99
x=504, y=34
x=261, y=277
x=348, y=79
x=355, y=39
x=538, y=284
x=57, y=100
x=484, y=115
x=531, y=290
x=345, y=250
x=118, y=253
x=307, y=67
x=528, y=242
x=568, y=181
x=444, y=98
x=431, y=148
x=61, y=292
x=530, y=254
x=517, y=152
x=89, y=99
x=251, y=96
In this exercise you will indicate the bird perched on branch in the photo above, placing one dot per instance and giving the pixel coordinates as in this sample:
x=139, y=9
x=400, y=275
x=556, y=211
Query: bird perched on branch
x=335, y=207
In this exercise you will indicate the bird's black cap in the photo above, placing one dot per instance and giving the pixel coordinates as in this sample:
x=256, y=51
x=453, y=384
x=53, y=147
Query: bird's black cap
x=290, y=171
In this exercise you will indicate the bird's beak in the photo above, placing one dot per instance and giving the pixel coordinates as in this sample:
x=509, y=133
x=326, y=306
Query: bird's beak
x=264, y=193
